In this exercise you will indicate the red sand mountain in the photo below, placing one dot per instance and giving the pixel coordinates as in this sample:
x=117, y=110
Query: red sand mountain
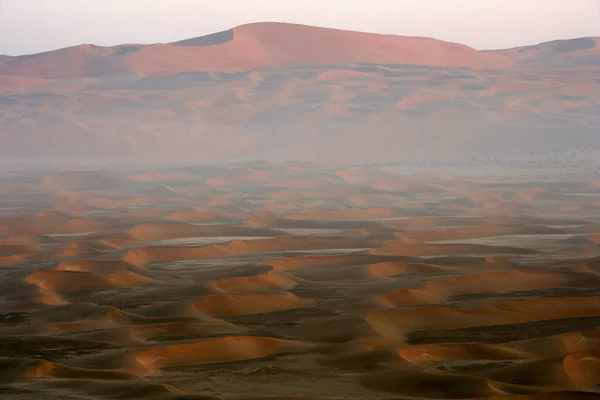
x=253, y=46
x=278, y=92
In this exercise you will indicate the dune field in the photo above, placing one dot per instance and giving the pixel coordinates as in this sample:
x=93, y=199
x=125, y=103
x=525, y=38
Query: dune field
x=292, y=281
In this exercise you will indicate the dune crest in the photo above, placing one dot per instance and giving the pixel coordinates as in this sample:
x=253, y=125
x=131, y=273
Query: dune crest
x=250, y=47
x=227, y=349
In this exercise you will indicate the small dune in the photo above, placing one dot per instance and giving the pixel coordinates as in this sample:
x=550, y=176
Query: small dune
x=22, y=370
x=68, y=280
x=431, y=354
x=394, y=268
x=283, y=223
x=353, y=213
x=421, y=250
x=294, y=263
x=30, y=240
x=410, y=297
x=546, y=373
x=271, y=281
x=95, y=266
x=429, y=385
x=78, y=249
x=582, y=367
x=245, y=304
x=228, y=349
x=394, y=323
x=201, y=216
x=150, y=232
x=141, y=256
x=502, y=281
x=472, y=232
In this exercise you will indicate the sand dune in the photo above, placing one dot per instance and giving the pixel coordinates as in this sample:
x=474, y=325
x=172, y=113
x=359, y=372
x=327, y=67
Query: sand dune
x=293, y=263
x=271, y=281
x=502, y=281
x=547, y=373
x=394, y=322
x=420, y=250
x=68, y=280
x=394, y=268
x=31, y=240
x=347, y=282
x=471, y=232
x=582, y=367
x=282, y=223
x=354, y=213
x=491, y=221
x=254, y=46
x=15, y=370
x=336, y=330
x=141, y=335
x=141, y=256
x=78, y=249
x=430, y=354
x=306, y=80
x=108, y=389
x=227, y=349
x=410, y=297
x=149, y=232
x=430, y=385
x=95, y=266
x=244, y=304
x=199, y=216
x=558, y=395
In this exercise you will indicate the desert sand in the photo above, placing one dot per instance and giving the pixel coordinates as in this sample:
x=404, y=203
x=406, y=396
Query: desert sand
x=280, y=92
x=292, y=281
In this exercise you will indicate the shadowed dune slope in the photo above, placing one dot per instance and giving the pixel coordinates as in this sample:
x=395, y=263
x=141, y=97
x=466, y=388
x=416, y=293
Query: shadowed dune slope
x=394, y=323
x=66, y=280
x=243, y=304
x=215, y=351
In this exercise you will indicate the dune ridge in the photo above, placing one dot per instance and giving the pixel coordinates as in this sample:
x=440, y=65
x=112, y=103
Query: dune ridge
x=141, y=256
x=252, y=46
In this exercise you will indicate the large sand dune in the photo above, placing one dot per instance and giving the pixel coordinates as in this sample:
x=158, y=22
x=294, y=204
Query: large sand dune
x=253, y=46
x=291, y=92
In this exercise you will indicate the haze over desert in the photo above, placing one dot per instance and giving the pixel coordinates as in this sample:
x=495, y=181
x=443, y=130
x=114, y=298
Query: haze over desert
x=279, y=211
x=280, y=92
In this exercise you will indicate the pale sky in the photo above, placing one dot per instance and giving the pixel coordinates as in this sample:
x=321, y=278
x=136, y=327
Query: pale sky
x=31, y=26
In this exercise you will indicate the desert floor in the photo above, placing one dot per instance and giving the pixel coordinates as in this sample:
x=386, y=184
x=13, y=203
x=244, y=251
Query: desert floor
x=293, y=281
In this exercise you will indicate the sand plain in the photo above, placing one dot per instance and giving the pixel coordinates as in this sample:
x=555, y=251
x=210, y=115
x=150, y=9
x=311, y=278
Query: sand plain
x=292, y=281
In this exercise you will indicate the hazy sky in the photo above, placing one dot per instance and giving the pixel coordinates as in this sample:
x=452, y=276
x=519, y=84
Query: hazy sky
x=30, y=26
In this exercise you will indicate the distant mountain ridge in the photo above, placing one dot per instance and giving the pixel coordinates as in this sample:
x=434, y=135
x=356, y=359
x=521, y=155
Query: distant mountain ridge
x=279, y=92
